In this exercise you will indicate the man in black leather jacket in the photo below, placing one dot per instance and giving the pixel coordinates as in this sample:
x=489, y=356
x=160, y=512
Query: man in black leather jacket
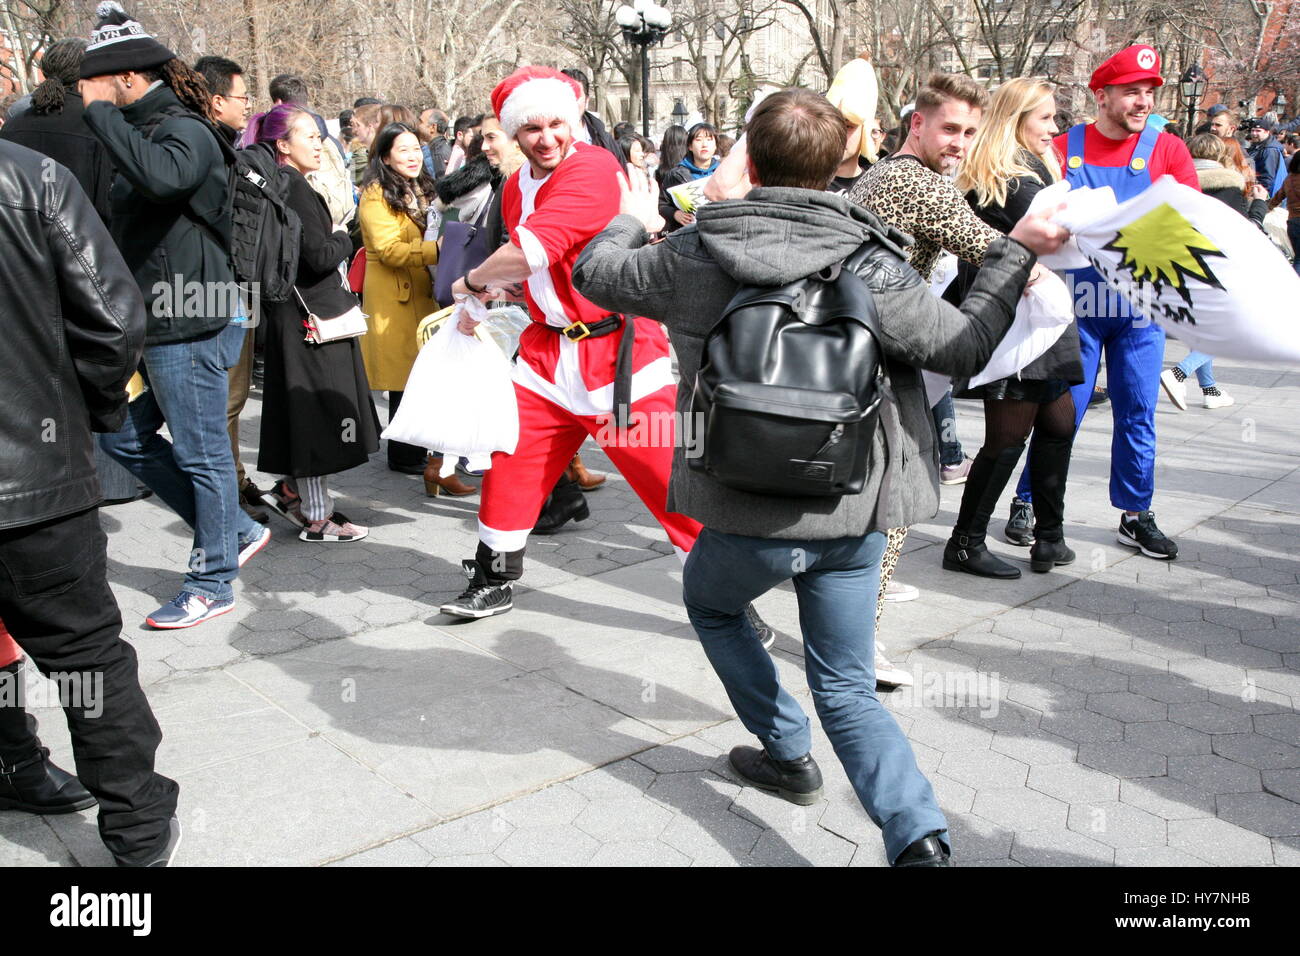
x=74, y=331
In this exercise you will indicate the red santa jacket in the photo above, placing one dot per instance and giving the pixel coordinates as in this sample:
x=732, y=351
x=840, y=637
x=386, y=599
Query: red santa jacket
x=552, y=221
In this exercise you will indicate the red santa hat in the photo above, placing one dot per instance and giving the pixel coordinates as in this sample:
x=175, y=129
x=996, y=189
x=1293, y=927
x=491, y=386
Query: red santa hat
x=533, y=93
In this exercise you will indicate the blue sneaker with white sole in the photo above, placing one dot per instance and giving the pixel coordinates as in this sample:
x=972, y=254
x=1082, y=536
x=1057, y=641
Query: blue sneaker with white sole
x=253, y=545
x=187, y=609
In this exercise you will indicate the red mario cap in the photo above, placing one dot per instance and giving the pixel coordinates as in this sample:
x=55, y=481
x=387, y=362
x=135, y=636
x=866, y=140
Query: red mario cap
x=1131, y=65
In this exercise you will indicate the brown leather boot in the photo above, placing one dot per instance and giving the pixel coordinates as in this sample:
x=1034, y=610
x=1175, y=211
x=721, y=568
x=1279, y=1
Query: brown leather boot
x=578, y=472
x=451, y=485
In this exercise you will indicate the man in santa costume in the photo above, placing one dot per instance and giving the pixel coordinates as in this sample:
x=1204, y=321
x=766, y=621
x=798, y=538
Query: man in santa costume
x=578, y=365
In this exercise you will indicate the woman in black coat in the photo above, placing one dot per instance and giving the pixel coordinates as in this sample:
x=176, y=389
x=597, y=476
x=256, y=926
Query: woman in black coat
x=317, y=415
x=1011, y=159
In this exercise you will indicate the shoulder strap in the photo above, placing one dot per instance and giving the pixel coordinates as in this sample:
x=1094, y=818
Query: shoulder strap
x=1140, y=161
x=1074, y=147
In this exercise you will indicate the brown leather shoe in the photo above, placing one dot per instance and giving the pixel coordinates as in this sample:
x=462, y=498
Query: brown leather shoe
x=589, y=480
x=451, y=485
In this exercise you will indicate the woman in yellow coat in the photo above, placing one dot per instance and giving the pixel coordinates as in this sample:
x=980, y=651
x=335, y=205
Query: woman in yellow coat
x=398, y=293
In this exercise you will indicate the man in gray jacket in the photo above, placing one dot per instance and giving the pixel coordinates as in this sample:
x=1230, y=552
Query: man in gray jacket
x=785, y=229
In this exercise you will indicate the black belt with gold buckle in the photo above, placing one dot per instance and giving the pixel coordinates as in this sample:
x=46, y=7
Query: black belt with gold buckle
x=577, y=331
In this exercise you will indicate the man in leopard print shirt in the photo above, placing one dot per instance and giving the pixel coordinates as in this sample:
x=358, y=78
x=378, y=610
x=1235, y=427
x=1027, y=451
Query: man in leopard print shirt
x=911, y=190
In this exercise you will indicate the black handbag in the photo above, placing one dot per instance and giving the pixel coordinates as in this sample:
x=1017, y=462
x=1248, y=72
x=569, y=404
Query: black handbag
x=788, y=394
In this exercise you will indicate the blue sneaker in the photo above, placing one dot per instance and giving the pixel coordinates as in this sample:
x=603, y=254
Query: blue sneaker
x=462, y=465
x=253, y=545
x=187, y=609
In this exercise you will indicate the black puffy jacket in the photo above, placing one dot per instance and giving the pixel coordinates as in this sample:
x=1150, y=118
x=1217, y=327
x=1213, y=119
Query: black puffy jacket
x=169, y=213
x=73, y=335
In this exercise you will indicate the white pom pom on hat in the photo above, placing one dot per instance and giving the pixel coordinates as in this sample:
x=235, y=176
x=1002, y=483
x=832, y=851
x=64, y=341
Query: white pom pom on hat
x=534, y=93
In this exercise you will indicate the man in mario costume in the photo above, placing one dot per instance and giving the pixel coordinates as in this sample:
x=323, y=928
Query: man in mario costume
x=1122, y=151
x=577, y=364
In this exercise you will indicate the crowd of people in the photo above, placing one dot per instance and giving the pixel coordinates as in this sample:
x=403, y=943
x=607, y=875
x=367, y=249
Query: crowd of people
x=579, y=224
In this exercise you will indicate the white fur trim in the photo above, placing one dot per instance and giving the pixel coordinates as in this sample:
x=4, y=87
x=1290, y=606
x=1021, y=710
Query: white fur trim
x=542, y=98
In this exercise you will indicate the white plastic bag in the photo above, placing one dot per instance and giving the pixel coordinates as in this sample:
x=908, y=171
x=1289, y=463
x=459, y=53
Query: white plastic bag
x=1042, y=315
x=504, y=325
x=459, y=398
x=1187, y=261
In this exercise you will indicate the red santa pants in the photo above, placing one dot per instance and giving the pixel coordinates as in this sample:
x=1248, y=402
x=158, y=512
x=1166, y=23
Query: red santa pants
x=516, y=486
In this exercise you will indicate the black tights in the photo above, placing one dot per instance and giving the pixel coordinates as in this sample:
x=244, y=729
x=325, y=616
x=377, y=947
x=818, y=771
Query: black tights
x=1007, y=424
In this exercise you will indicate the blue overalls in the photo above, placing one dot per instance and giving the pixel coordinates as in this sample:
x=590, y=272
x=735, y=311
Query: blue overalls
x=1134, y=345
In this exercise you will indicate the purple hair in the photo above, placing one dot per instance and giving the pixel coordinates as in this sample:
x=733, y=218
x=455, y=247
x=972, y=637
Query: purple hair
x=274, y=125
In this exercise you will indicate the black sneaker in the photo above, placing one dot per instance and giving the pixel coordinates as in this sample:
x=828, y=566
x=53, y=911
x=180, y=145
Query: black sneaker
x=927, y=851
x=1020, y=526
x=481, y=598
x=798, y=781
x=1099, y=396
x=766, y=636
x=1140, y=531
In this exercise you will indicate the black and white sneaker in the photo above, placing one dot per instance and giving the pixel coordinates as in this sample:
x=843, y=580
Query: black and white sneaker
x=1020, y=526
x=766, y=636
x=481, y=598
x=1140, y=531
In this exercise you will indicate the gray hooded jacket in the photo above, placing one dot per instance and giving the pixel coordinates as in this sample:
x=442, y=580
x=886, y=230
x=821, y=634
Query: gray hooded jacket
x=772, y=237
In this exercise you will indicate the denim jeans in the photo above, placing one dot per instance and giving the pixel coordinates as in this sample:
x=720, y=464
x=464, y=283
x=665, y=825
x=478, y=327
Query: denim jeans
x=1202, y=365
x=835, y=584
x=194, y=473
x=945, y=425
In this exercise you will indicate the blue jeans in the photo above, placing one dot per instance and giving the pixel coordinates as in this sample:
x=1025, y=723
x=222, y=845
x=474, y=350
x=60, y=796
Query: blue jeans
x=194, y=473
x=835, y=583
x=1202, y=365
x=945, y=425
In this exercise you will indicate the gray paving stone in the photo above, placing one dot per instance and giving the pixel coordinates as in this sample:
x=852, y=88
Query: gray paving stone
x=638, y=853
x=1059, y=848
x=1118, y=824
x=1126, y=707
x=1264, y=813
x=1073, y=783
x=1220, y=842
x=1035, y=748
x=1149, y=856
x=1254, y=750
x=1167, y=738
x=404, y=852
x=477, y=834
x=1082, y=726
x=984, y=770
x=553, y=845
x=976, y=839
x=951, y=735
x=1284, y=783
x=1209, y=717
x=1020, y=808
x=1283, y=727
x=1123, y=759
x=721, y=839
x=688, y=753
x=629, y=820
x=1170, y=689
x=808, y=846
x=623, y=778
x=1214, y=774
x=553, y=807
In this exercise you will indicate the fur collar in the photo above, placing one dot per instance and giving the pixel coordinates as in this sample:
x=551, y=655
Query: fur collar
x=1220, y=177
x=475, y=174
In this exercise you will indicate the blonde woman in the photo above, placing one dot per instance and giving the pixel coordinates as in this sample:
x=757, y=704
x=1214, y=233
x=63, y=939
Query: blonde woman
x=1011, y=159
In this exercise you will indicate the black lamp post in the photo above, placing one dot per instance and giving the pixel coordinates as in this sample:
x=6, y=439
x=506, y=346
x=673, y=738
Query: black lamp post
x=679, y=112
x=1192, y=88
x=644, y=24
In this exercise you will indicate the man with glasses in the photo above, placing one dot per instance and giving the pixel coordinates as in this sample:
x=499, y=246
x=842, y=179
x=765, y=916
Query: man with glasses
x=231, y=103
x=231, y=106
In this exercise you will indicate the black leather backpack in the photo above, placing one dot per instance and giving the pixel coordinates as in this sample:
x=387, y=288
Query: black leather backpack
x=789, y=388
